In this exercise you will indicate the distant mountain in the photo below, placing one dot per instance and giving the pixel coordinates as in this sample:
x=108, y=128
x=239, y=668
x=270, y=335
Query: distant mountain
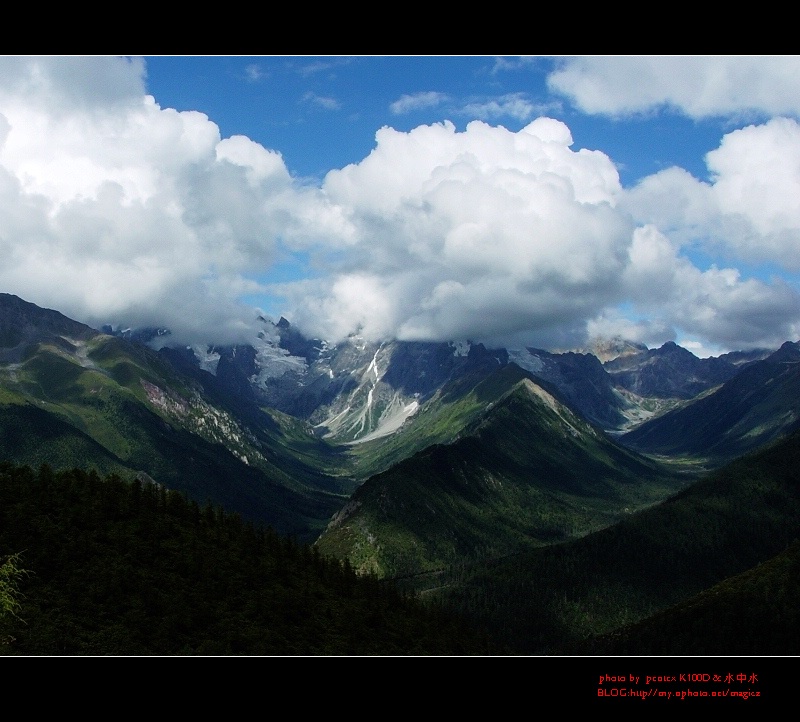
x=669, y=372
x=357, y=390
x=742, y=358
x=524, y=470
x=583, y=381
x=608, y=349
x=756, y=406
x=353, y=391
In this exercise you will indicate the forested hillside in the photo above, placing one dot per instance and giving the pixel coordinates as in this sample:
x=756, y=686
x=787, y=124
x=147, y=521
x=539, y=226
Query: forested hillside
x=559, y=598
x=110, y=567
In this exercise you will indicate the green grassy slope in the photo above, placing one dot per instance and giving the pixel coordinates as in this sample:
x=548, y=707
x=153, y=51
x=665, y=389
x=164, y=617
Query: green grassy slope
x=120, y=407
x=525, y=472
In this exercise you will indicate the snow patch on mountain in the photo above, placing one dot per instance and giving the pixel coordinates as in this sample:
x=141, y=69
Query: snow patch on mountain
x=526, y=360
x=372, y=408
x=207, y=358
x=373, y=366
x=393, y=417
x=273, y=362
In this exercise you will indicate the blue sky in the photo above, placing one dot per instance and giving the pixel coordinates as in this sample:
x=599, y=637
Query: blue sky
x=322, y=112
x=515, y=201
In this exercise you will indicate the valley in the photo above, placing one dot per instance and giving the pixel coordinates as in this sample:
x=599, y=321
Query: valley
x=522, y=489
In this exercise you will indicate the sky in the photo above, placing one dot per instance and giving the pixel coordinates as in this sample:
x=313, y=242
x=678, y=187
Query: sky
x=514, y=201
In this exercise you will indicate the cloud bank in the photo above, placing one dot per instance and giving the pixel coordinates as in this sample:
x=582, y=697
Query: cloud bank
x=484, y=234
x=116, y=210
x=696, y=86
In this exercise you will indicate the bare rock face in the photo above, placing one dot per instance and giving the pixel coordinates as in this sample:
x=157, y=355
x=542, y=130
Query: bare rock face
x=358, y=389
x=608, y=349
x=669, y=372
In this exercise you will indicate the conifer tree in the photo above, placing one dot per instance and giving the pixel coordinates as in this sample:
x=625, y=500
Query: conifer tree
x=10, y=575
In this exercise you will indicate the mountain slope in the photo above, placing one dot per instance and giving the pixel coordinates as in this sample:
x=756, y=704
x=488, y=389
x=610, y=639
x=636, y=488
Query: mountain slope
x=32, y=436
x=755, y=613
x=582, y=381
x=669, y=372
x=95, y=400
x=359, y=391
x=755, y=407
x=550, y=599
x=23, y=323
x=117, y=568
x=526, y=472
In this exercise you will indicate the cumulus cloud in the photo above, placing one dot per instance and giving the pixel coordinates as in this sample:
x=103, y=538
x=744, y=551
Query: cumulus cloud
x=72, y=83
x=710, y=312
x=696, y=86
x=115, y=210
x=751, y=206
x=485, y=233
x=518, y=239
x=750, y=211
x=717, y=304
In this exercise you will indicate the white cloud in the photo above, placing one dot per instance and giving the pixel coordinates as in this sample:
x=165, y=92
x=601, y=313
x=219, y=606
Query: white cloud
x=520, y=62
x=669, y=299
x=756, y=181
x=254, y=72
x=321, y=101
x=417, y=101
x=259, y=163
x=612, y=323
x=116, y=210
x=321, y=66
x=751, y=206
x=697, y=86
x=515, y=238
x=716, y=305
x=513, y=105
x=71, y=83
x=486, y=233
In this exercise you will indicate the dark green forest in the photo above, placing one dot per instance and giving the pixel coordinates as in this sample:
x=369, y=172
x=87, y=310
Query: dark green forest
x=95, y=565
x=713, y=570
x=751, y=614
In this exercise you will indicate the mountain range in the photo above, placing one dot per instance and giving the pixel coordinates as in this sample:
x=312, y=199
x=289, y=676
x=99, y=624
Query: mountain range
x=449, y=468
